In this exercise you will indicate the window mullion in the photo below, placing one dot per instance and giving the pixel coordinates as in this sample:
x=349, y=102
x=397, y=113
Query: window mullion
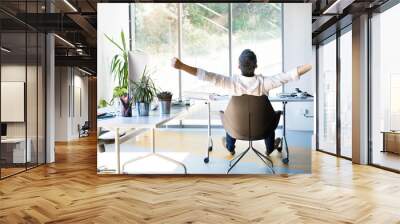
x=179, y=5
x=230, y=38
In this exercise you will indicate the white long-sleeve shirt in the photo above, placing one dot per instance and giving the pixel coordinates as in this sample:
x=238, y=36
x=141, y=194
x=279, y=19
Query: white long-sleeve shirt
x=238, y=85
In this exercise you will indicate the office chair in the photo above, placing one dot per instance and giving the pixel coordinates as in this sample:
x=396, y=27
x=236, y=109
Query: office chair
x=249, y=118
x=84, y=129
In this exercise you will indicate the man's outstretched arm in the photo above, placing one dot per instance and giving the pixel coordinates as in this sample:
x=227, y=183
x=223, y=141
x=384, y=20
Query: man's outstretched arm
x=217, y=80
x=178, y=64
x=303, y=69
x=272, y=82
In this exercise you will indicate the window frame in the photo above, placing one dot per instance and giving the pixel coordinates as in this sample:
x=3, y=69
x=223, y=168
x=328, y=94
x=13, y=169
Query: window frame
x=334, y=37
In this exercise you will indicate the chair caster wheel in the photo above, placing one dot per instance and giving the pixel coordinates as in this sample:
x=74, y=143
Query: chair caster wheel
x=206, y=160
x=285, y=160
x=210, y=148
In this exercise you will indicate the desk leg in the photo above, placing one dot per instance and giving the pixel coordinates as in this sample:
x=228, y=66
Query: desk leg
x=285, y=159
x=210, y=142
x=117, y=151
x=153, y=140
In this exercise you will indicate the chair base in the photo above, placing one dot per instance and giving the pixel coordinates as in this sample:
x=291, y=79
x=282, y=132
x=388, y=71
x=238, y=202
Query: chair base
x=262, y=157
x=156, y=155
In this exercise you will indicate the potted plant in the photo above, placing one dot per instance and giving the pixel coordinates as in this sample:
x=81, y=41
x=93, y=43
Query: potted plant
x=164, y=99
x=119, y=68
x=143, y=91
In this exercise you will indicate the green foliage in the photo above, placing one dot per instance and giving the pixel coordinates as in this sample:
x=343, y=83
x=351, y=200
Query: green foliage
x=120, y=91
x=119, y=68
x=103, y=103
x=119, y=63
x=144, y=89
x=164, y=95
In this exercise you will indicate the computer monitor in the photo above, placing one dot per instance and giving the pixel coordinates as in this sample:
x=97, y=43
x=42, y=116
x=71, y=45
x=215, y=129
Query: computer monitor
x=137, y=62
x=3, y=130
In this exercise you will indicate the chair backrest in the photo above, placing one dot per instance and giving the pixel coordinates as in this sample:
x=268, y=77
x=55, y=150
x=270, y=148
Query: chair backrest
x=248, y=117
x=86, y=125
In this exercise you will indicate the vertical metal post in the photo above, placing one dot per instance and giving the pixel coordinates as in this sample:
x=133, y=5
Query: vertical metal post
x=317, y=97
x=209, y=120
x=0, y=91
x=285, y=160
x=230, y=38
x=130, y=26
x=369, y=96
x=338, y=91
x=153, y=140
x=283, y=41
x=45, y=91
x=37, y=91
x=180, y=10
x=179, y=5
x=117, y=151
x=26, y=88
x=73, y=90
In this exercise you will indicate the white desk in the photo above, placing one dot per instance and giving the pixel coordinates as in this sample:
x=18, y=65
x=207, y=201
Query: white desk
x=19, y=155
x=153, y=121
x=284, y=101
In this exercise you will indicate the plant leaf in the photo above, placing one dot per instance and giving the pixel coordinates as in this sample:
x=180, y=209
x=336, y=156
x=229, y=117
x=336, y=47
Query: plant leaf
x=123, y=40
x=113, y=42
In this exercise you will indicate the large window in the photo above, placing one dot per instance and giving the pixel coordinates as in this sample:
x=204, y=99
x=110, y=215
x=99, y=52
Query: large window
x=252, y=29
x=385, y=84
x=207, y=35
x=327, y=97
x=156, y=34
x=205, y=41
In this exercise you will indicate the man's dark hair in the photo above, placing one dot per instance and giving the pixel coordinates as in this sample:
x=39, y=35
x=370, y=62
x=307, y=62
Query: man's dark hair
x=247, y=62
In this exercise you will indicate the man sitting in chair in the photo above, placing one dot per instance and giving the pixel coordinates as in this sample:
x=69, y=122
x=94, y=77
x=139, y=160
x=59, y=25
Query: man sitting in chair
x=247, y=83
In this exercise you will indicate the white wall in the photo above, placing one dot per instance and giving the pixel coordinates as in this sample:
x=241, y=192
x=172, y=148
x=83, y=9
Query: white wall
x=297, y=50
x=61, y=103
x=119, y=14
x=70, y=83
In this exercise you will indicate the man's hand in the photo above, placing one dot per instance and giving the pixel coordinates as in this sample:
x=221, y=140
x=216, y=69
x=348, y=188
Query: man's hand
x=301, y=70
x=176, y=63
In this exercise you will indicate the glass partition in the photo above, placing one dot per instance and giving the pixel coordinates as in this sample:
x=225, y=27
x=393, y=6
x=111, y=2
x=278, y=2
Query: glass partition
x=346, y=94
x=14, y=153
x=22, y=67
x=327, y=97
